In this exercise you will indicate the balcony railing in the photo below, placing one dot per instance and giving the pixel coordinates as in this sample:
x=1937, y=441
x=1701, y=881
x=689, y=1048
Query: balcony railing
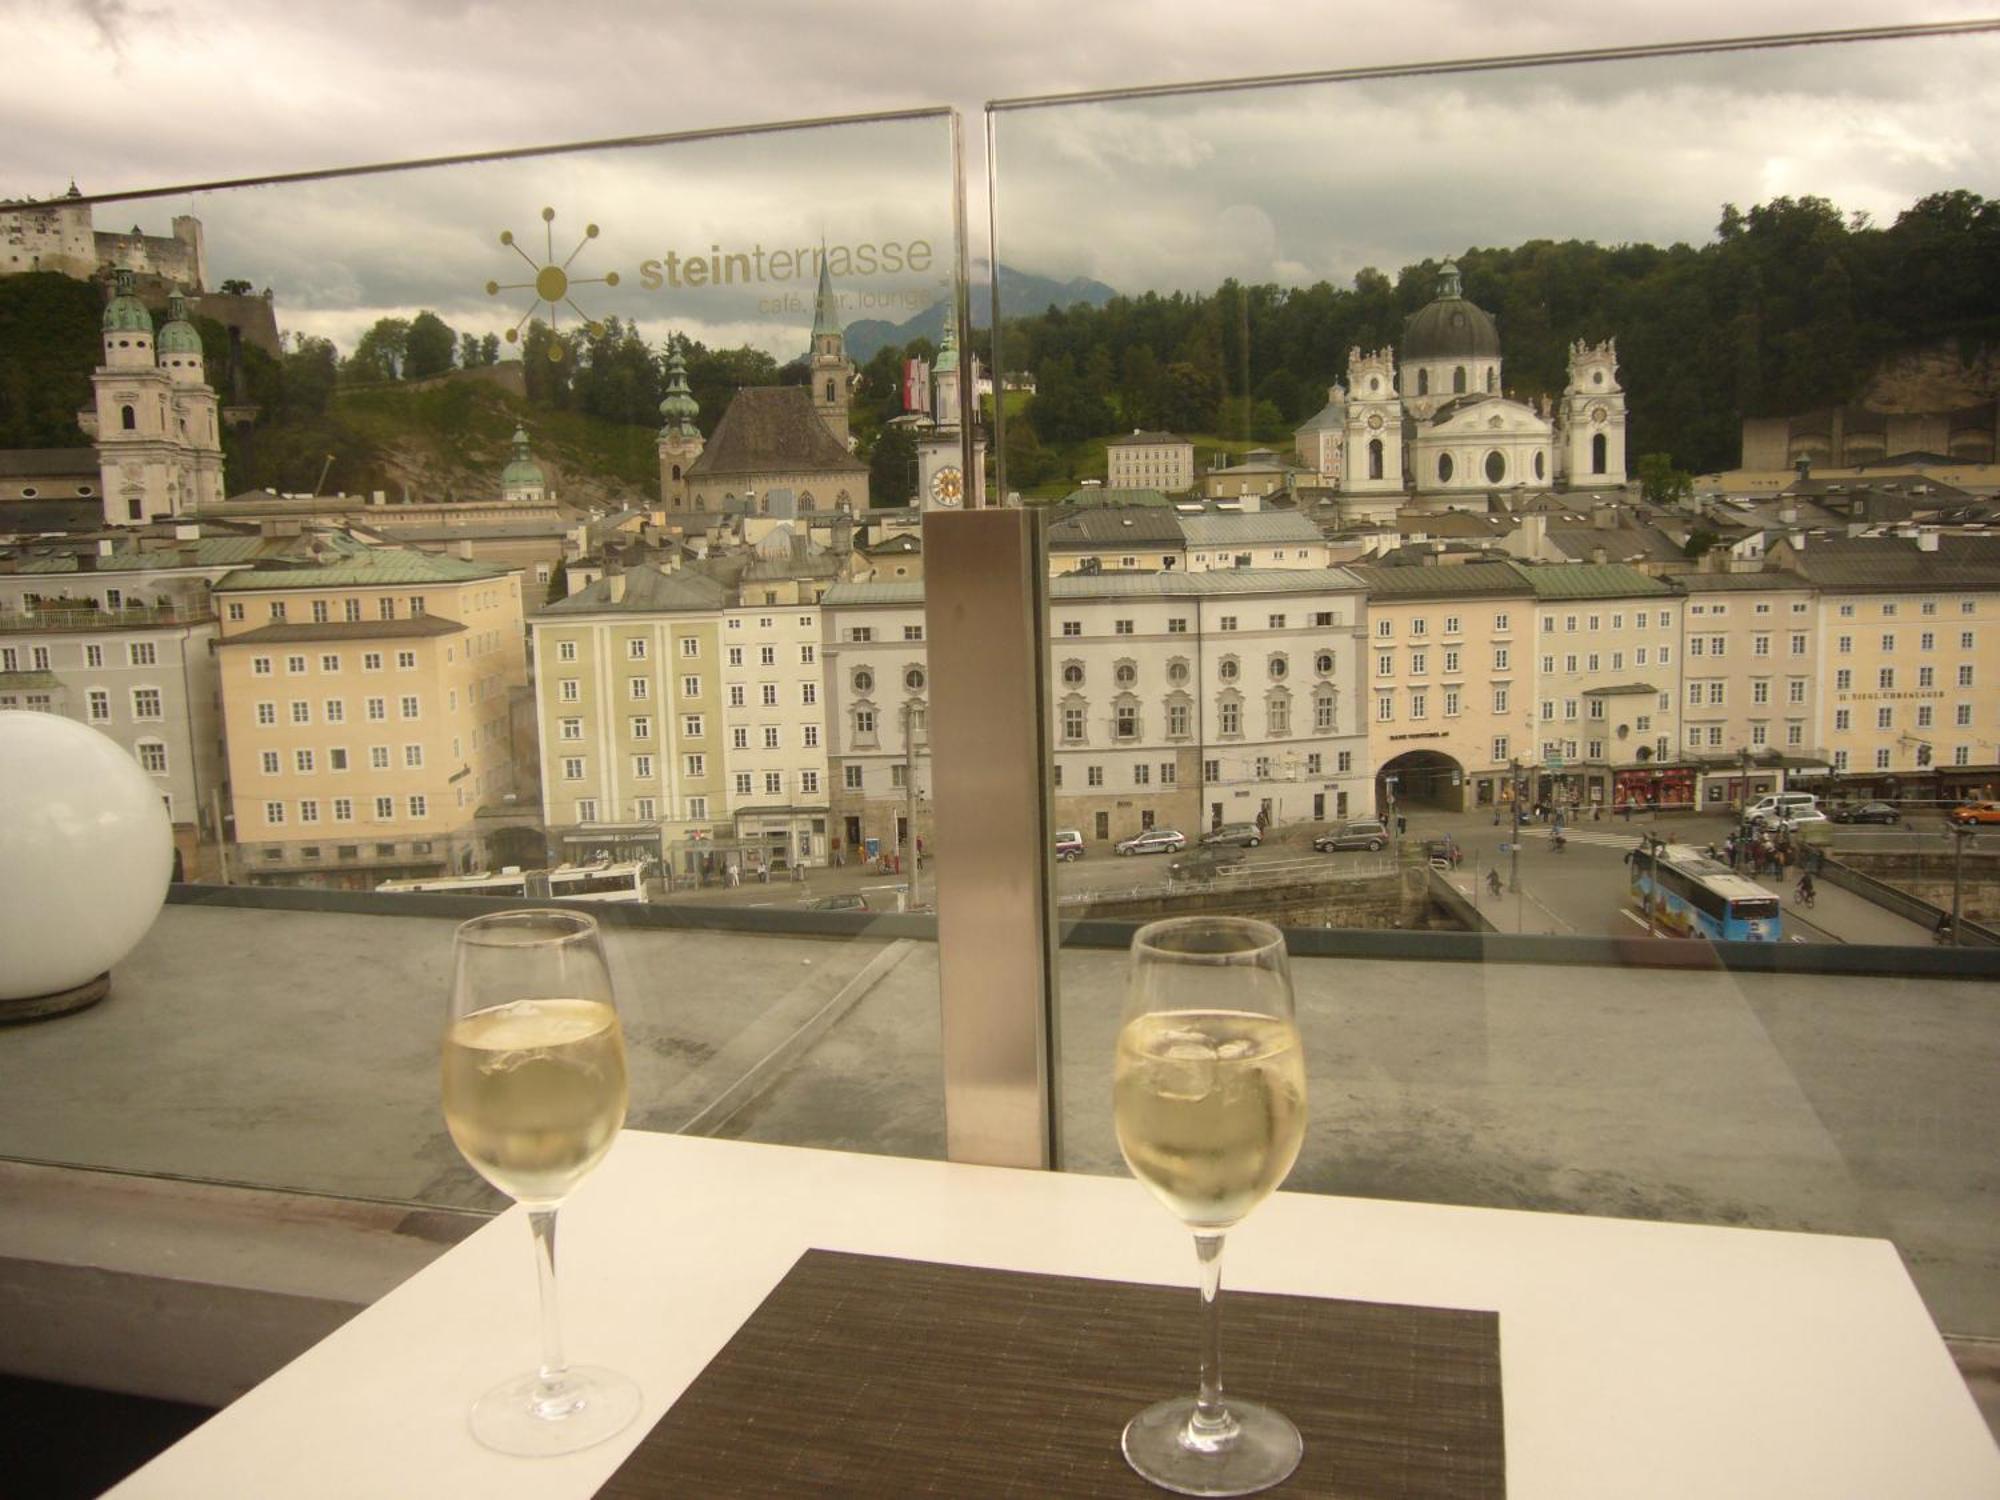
x=79, y=617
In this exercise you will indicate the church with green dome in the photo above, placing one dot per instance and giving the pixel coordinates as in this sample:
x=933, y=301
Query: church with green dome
x=154, y=417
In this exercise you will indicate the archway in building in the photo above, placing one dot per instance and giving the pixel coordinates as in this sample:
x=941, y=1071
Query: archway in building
x=525, y=847
x=1421, y=778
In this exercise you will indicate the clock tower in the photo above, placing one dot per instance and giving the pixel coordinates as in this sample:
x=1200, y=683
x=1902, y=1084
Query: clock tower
x=942, y=483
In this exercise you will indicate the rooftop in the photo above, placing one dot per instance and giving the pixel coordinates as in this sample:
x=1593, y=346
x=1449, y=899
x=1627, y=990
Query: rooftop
x=1442, y=583
x=642, y=590
x=341, y=562
x=773, y=429
x=1556, y=581
x=1134, y=438
x=346, y=630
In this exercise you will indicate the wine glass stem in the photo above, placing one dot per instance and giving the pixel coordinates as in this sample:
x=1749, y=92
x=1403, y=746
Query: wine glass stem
x=1211, y=1421
x=543, y=1222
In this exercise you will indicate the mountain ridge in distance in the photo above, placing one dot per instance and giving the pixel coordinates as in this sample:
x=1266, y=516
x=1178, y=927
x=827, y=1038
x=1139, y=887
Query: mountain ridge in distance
x=1022, y=293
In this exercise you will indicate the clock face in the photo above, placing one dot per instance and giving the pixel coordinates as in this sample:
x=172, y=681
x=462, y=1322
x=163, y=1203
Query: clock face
x=947, y=486
x=1375, y=420
x=1598, y=414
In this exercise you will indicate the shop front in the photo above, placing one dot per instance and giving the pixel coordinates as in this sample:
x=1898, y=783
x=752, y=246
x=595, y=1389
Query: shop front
x=1666, y=788
x=615, y=843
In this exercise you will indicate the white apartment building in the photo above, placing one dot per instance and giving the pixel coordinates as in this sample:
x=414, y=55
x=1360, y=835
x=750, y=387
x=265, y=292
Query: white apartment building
x=1749, y=670
x=876, y=695
x=775, y=755
x=1149, y=461
x=1607, y=686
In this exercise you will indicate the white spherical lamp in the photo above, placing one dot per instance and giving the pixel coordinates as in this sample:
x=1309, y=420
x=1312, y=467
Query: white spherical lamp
x=85, y=855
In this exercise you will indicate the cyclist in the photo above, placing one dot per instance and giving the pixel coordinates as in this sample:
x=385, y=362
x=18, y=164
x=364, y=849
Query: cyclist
x=1942, y=933
x=1806, y=889
x=1558, y=842
x=1493, y=881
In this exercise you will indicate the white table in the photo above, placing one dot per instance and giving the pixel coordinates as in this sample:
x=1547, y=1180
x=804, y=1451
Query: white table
x=1638, y=1359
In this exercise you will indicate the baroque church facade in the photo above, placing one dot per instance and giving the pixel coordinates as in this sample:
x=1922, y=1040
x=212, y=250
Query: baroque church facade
x=155, y=419
x=1431, y=417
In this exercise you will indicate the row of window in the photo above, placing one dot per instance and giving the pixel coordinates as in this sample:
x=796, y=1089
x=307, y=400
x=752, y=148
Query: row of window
x=1385, y=662
x=1594, y=749
x=1126, y=723
x=862, y=634
x=341, y=809
x=306, y=762
x=1762, y=607
x=1597, y=709
x=1926, y=607
x=1760, y=735
x=1320, y=619
x=1385, y=625
x=296, y=663
x=39, y=658
x=694, y=727
x=1885, y=718
x=1453, y=701
x=1592, y=661
x=1715, y=692
x=334, y=710
x=1961, y=755
x=1926, y=641
x=1641, y=620
x=321, y=610
x=644, y=809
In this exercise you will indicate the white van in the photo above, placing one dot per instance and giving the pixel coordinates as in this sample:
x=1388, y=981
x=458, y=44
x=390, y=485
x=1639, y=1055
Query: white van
x=1069, y=844
x=1780, y=807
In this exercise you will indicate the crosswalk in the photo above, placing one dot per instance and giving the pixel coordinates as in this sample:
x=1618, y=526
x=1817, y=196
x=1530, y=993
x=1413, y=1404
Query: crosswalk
x=1586, y=836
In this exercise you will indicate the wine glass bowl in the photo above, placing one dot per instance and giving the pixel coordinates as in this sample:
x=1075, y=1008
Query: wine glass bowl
x=1209, y=1103
x=534, y=1095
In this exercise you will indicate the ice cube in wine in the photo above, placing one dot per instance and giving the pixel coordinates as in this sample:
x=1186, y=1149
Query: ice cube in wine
x=1210, y=1109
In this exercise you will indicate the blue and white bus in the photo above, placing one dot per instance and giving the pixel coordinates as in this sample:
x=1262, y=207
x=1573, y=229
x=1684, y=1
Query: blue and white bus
x=1695, y=896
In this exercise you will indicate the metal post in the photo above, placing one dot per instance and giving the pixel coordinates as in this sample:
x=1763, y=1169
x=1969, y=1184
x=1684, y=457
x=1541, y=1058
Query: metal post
x=1653, y=890
x=1514, y=849
x=910, y=797
x=1958, y=838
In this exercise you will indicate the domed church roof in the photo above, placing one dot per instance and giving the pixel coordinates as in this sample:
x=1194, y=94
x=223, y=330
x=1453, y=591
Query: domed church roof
x=523, y=472
x=125, y=313
x=1449, y=327
x=177, y=334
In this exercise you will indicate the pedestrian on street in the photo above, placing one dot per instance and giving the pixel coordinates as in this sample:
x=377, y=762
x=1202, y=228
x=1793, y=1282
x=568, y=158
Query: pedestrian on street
x=1402, y=825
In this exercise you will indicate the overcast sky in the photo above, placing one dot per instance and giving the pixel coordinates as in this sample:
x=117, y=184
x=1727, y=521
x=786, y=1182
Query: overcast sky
x=1285, y=185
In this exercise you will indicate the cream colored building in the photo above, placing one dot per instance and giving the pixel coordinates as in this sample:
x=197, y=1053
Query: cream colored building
x=1149, y=461
x=1449, y=673
x=629, y=686
x=1909, y=659
x=1157, y=539
x=1749, y=683
x=365, y=702
x=1607, y=683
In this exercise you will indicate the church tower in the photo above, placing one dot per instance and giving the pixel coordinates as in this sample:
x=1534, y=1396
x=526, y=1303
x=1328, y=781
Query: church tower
x=680, y=438
x=1373, y=442
x=1591, y=448
x=941, y=481
x=832, y=373
x=133, y=413
x=196, y=410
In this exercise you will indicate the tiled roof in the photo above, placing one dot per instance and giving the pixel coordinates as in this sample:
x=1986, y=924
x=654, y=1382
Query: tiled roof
x=1621, y=690
x=36, y=517
x=35, y=463
x=773, y=429
x=346, y=630
x=647, y=591
x=1590, y=581
x=905, y=591
x=1327, y=416
x=1222, y=530
x=1123, y=526
x=1618, y=542
x=345, y=563
x=1738, y=583
x=1892, y=562
x=1103, y=495
x=1442, y=583
x=1145, y=437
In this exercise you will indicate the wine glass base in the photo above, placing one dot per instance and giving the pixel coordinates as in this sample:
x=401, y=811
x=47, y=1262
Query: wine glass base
x=526, y=1418
x=1263, y=1451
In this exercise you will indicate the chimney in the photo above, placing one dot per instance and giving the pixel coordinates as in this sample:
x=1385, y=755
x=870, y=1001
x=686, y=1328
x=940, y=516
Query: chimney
x=186, y=531
x=615, y=583
x=465, y=551
x=105, y=546
x=376, y=497
x=1927, y=539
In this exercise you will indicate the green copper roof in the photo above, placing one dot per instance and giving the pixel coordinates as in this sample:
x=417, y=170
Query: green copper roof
x=826, y=311
x=359, y=566
x=1590, y=581
x=177, y=334
x=679, y=408
x=523, y=472
x=947, y=359
x=125, y=313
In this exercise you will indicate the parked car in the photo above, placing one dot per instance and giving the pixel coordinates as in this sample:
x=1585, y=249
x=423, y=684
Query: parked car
x=1867, y=812
x=1362, y=833
x=1205, y=864
x=1152, y=841
x=853, y=902
x=1806, y=819
x=1444, y=851
x=1975, y=812
x=1069, y=844
x=1242, y=835
x=1778, y=807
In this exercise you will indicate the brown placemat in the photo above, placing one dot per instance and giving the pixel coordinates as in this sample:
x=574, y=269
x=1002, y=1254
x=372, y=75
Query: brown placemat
x=866, y=1376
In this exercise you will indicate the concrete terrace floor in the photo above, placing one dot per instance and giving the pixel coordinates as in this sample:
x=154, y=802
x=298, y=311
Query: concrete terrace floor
x=298, y=1050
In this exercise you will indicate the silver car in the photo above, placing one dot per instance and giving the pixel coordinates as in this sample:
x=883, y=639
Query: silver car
x=1152, y=841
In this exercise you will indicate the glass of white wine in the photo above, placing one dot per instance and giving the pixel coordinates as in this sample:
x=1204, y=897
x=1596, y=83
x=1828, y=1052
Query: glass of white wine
x=1209, y=1099
x=534, y=1095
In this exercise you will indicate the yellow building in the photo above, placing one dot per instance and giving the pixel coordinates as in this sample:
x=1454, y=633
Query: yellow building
x=1909, y=659
x=365, y=705
x=629, y=704
x=1449, y=681
x=1749, y=683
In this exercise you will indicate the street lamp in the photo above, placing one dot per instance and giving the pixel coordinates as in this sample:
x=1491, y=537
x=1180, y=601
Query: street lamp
x=1514, y=848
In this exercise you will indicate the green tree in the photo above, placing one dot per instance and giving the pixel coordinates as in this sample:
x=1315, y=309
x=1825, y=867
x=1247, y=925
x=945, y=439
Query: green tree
x=1661, y=483
x=558, y=582
x=427, y=346
x=489, y=349
x=892, y=468
x=48, y=348
x=1189, y=398
x=1700, y=540
x=468, y=351
x=379, y=355
x=236, y=286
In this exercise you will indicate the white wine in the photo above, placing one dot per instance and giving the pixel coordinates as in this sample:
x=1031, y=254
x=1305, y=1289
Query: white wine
x=534, y=1092
x=1210, y=1108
